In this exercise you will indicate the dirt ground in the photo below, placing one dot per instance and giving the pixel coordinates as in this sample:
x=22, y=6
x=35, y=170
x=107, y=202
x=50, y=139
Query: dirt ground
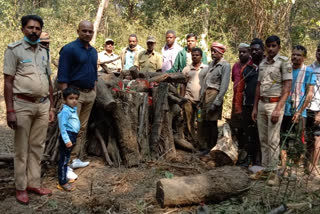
x=102, y=189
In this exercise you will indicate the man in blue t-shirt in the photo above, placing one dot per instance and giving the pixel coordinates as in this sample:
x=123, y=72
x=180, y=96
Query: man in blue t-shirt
x=78, y=69
x=295, y=114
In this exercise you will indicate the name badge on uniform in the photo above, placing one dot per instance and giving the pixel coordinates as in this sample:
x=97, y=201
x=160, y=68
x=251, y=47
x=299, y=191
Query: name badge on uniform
x=26, y=61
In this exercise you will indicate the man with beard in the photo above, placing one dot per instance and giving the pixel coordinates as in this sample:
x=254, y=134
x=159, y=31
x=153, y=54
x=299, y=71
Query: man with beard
x=244, y=102
x=29, y=103
x=184, y=56
x=313, y=120
x=273, y=88
x=129, y=53
x=236, y=119
x=214, y=84
x=78, y=69
x=149, y=60
x=300, y=96
x=170, y=51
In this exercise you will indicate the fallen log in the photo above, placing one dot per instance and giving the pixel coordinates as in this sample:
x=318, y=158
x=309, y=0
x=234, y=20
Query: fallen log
x=215, y=185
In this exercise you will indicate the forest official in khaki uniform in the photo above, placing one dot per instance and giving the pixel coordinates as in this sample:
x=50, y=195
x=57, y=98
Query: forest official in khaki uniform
x=149, y=60
x=28, y=96
x=273, y=88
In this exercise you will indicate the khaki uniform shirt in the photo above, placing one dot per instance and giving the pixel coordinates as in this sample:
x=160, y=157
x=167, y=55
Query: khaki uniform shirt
x=30, y=69
x=148, y=62
x=193, y=81
x=271, y=75
x=105, y=57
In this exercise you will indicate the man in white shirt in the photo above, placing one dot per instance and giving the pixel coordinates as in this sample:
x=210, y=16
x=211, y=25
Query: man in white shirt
x=170, y=50
x=108, y=61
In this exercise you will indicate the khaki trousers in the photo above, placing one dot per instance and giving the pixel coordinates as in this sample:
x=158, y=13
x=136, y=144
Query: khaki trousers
x=29, y=142
x=190, y=111
x=269, y=135
x=85, y=103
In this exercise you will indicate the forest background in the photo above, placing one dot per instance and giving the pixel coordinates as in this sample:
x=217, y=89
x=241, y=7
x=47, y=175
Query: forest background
x=227, y=21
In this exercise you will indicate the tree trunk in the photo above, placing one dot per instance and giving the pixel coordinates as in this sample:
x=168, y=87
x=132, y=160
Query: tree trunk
x=103, y=5
x=215, y=185
x=161, y=139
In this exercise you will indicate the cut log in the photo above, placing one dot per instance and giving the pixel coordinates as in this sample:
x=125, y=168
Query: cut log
x=143, y=129
x=226, y=150
x=161, y=139
x=126, y=123
x=213, y=186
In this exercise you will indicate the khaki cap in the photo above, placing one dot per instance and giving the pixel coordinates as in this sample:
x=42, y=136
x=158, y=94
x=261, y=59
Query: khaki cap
x=44, y=37
x=151, y=39
x=109, y=40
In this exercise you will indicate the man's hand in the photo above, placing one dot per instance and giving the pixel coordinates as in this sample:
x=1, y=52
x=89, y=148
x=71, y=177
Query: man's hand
x=254, y=115
x=296, y=117
x=317, y=118
x=275, y=116
x=12, y=120
x=51, y=116
x=69, y=144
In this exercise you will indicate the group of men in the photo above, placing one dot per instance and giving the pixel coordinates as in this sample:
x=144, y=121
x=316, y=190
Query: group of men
x=272, y=95
x=262, y=86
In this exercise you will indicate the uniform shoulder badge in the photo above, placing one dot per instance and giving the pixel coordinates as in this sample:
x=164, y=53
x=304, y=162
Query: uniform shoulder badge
x=42, y=46
x=15, y=44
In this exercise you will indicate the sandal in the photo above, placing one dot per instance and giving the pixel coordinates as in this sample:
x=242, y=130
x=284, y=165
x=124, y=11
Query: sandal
x=67, y=187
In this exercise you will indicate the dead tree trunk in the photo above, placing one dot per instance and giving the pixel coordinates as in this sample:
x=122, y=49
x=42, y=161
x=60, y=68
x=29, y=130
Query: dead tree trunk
x=215, y=185
x=103, y=5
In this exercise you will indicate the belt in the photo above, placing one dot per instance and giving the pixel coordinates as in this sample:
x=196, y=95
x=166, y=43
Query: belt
x=85, y=90
x=31, y=99
x=270, y=99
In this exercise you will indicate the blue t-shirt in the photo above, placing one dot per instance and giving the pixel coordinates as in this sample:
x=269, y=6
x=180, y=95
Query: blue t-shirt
x=308, y=80
x=78, y=65
x=129, y=59
x=68, y=121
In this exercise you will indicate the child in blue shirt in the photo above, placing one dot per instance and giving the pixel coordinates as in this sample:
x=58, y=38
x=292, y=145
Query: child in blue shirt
x=69, y=125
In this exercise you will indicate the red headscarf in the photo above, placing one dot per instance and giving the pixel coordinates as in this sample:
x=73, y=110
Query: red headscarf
x=219, y=47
